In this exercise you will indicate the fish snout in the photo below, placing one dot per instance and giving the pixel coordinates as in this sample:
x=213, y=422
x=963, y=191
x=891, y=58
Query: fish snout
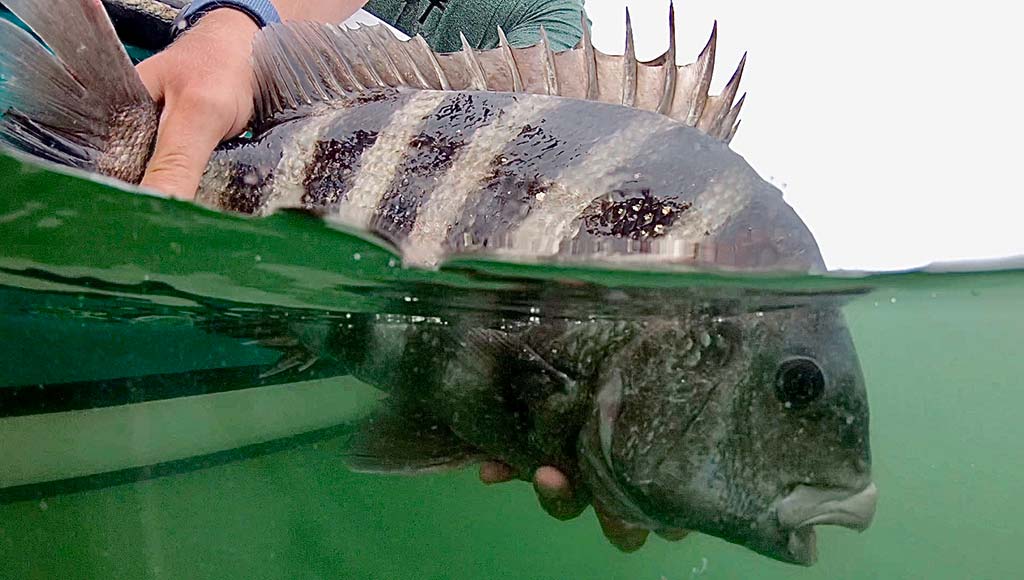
x=808, y=506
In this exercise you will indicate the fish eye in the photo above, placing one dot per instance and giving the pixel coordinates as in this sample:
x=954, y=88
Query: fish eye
x=798, y=382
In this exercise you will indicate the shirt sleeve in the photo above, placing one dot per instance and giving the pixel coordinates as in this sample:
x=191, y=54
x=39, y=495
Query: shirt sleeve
x=562, y=21
x=441, y=21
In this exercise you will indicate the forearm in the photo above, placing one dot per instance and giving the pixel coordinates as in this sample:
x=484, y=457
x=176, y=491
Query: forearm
x=318, y=10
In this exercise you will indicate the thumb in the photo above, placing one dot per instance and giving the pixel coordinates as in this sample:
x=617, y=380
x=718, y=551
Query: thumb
x=184, y=143
x=556, y=495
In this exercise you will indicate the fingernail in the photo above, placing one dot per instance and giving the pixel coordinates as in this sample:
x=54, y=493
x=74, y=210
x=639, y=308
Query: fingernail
x=551, y=485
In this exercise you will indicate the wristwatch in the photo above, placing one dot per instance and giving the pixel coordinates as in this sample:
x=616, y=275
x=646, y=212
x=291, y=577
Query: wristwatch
x=261, y=11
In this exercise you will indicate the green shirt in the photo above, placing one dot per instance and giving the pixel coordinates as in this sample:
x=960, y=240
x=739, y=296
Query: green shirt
x=439, y=21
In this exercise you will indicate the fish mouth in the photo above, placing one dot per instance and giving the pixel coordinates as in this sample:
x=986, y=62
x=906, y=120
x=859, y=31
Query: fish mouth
x=809, y=506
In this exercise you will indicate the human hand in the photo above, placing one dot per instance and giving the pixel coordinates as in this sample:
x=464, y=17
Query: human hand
x=557, y=498
x=204, y=81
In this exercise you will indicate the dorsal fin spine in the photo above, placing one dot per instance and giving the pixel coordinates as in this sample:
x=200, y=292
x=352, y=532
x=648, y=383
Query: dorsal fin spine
x=478, y=80
x=300, y=63
x=671, y=72
x=629, y=66
x=388, y=61
x=589, y=60
x=510, y=60
x=705, y=65
x=550, y=73
x=442, y=78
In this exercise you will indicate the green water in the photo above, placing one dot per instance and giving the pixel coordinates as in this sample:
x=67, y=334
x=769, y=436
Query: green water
x=96, y=283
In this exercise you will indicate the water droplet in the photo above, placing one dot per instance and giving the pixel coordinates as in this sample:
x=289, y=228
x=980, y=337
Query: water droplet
x=43, y=505
x=258, y=258
x=892, y=300
x=357, y=256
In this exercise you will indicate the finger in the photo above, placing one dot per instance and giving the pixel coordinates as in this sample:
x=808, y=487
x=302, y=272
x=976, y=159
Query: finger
x=184, y=143
x=496, y=472
x=555, y=494
x=624, y=536
x=674, y=535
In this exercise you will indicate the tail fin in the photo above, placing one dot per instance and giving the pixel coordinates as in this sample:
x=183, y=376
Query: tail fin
x=82, y=105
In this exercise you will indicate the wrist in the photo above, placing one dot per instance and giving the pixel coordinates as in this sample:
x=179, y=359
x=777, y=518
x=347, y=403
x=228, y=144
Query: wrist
x=228, y=20
x=259, y=13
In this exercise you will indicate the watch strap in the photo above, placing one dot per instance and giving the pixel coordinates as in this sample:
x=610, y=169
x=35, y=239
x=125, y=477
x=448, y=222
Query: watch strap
x=262, y=12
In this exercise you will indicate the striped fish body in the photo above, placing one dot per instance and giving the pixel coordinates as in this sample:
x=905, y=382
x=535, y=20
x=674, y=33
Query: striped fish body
x=439, y=173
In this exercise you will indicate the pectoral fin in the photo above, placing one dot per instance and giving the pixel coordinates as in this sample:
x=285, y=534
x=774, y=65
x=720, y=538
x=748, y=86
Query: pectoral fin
x=393, y=443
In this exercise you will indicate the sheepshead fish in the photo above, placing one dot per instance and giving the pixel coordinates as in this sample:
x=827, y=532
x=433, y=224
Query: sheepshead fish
x=750, y=425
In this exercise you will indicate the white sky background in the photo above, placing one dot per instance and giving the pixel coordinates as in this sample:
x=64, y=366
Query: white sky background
x=892, y=127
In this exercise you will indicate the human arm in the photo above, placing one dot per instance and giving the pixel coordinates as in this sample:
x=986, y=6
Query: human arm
x=204, y=82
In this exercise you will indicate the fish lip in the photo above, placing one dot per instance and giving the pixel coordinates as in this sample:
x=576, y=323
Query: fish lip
x=808, y=506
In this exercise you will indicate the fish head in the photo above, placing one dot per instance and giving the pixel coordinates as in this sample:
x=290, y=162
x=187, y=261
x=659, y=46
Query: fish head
x=751, y=427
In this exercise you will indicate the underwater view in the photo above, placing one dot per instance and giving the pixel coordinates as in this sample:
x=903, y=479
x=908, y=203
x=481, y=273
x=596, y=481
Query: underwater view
x=142, y=437
x=507, y=306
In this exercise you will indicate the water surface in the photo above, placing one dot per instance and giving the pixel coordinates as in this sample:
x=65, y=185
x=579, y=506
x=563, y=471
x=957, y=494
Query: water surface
x=112, y=301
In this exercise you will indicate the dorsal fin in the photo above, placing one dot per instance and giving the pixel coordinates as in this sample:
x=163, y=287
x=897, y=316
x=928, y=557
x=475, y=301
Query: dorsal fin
x=300, y=63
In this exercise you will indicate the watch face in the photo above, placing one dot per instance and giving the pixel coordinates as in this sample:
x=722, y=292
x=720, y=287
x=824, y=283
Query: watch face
x=182, y=20
x=191, y=13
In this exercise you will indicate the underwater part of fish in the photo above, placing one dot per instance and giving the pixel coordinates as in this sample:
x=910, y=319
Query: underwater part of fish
x=750, y=426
